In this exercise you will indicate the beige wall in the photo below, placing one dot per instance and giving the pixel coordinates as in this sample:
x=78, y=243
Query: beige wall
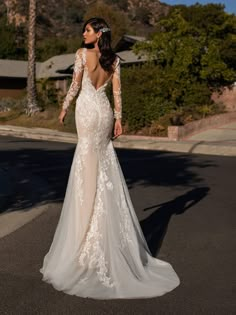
x=11, y=93
x=228, y=98
x=62, y=85
x=12, y=87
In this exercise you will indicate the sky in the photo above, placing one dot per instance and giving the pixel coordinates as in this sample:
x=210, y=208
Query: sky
x=230, y=5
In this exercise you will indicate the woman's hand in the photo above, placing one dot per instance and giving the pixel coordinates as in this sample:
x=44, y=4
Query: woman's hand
x=117, y=128
x=62, y=116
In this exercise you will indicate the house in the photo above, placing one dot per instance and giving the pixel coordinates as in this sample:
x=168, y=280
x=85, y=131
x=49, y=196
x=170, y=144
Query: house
x=13, y=77
x=59, y=69
x=13, y=73
x=127, y=41
x=124, y=50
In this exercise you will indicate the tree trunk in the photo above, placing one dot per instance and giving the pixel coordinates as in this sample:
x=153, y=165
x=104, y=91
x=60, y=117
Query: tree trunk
x=32, y=106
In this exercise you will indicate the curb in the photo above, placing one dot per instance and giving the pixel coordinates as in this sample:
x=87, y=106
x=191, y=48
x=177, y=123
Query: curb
x=200, y=147
x=38, y=134
x=182, y=132
x=127, y=141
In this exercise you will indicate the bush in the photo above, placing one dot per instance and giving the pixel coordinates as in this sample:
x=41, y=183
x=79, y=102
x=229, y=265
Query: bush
x=10, y=47
x=8, y=104
x=188, y=65
x=48, y=95
x=153, y=99
x=49, y=47
x=142, y=101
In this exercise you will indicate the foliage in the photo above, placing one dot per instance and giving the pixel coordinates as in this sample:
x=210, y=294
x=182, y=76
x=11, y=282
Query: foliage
x=228, y=51
x=8, y=104
x=73, y=12
x=191, y=53
x=48, y=94
x=122, y=4
x=142, y=14
x=189, y=63
x=142, y=103
x=11, y=108
x=10, y=46
x=50, y=47
x=112, y=16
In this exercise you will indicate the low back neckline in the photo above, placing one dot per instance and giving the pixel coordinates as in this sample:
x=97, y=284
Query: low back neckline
x=89, y=78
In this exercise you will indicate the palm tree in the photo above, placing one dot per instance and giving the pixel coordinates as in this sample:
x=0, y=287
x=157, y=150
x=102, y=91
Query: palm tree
x=32, y=106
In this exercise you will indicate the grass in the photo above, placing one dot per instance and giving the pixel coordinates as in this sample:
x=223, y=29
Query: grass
x=49, y=119
x=45, y=119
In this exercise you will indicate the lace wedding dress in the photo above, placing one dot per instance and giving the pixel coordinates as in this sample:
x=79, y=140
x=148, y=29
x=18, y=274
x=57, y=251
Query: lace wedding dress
x=98, y=249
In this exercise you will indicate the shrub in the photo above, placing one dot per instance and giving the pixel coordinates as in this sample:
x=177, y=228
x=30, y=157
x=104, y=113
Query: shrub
x=8, y=104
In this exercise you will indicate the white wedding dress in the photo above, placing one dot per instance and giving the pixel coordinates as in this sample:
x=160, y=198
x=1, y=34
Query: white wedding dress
x=98, y=249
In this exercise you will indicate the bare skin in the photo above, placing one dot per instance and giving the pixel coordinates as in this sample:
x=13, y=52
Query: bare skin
x=91, y=37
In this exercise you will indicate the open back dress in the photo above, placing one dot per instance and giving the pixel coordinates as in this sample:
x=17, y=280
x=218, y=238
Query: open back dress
x=98, y=249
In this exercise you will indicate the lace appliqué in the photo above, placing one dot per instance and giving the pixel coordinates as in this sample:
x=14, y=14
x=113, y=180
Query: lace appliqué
x=125, y=226
x=117, y=92
x=76, y=79
x=107, y=161
x=93, y=244
x=83, y=147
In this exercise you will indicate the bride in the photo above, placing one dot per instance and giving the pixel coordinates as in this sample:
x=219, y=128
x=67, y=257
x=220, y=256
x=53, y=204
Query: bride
x=98, y=249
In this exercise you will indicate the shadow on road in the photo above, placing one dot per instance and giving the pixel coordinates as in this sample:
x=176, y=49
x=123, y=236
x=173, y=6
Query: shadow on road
x=160, y=168
x=37, y=171
x=33, y=177
x=155, y=226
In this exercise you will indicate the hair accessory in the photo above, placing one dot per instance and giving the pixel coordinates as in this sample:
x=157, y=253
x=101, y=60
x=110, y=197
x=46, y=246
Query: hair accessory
x=104, y=29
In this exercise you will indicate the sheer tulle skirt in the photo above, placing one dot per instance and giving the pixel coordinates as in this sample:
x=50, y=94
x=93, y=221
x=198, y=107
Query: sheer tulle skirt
x=98, y=249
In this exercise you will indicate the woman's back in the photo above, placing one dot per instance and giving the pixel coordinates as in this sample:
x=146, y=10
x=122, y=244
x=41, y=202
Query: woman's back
x=97, y=75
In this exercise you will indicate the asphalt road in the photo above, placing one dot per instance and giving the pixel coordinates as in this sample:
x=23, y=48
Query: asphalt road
x=186, y=207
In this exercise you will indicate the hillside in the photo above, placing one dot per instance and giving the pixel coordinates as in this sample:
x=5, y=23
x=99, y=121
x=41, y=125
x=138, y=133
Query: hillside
x=65, y=17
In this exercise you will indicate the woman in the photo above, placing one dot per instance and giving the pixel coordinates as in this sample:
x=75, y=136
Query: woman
x=98, y=249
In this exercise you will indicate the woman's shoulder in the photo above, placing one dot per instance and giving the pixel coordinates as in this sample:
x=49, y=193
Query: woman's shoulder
x=116, y=62
x=92, y=57
x=80, y=55
x=80, y=51
x=93, y=53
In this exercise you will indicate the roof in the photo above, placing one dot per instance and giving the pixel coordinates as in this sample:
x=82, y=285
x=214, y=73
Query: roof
x=129, y=57
x=134, y=38
x=52, y=68
x=57, y=66
x=14, y=68
x=127, y=41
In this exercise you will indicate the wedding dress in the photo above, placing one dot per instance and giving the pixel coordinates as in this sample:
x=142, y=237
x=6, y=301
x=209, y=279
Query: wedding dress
x=98, y=249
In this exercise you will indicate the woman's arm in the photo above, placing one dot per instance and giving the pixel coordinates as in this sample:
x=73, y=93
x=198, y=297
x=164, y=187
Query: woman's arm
x=75, y=84
x=116, y=84
x=117, y=91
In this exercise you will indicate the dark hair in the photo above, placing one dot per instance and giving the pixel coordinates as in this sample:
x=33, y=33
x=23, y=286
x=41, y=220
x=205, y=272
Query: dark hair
x=107, y=54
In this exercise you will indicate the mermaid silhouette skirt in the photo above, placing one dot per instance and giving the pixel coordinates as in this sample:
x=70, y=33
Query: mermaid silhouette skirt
x=98, y=249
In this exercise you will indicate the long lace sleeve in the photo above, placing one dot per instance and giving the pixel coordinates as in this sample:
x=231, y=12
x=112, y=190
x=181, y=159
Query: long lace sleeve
x=76, y=79
x=117, y=91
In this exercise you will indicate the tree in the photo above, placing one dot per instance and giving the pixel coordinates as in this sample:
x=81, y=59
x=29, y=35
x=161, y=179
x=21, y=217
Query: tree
x=188, y=57
x=32, y=106
x=187, y=62
x=116, y=19
x=8, y=39
x=214, y=23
